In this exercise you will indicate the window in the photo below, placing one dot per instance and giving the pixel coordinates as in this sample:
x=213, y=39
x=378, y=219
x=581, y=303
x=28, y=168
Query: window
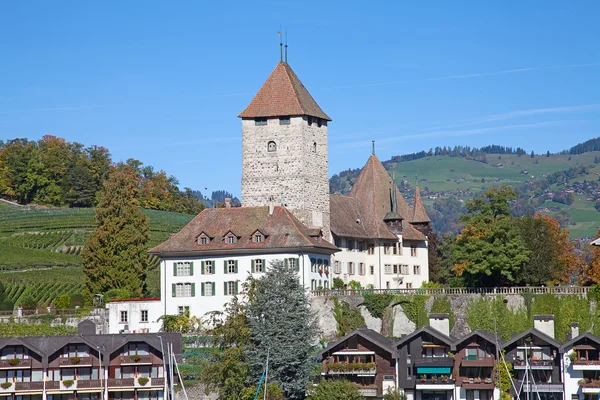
x=183, y=269
x=207, y=289
x=386, y=248
x=417, y=269
x=408, y=373
x=260, y=121
x=203, y=240
x=413, y=251
x=350, y=244
x=284, y=120
x=293, y=263
x=372, y=269
x=310, y=120
x=337, y=241
x=326, y=285
x=144, y=316
x=183, y=290
x=404, y=269
x=319, y=122
x=337, y=268
x=350, y=268
x=361, y=268
x=231, y=267
x=258, y=238
x=271, y=146
x=396, y=268
x=230, y=288
x=371, y=249
x=408, y=285
x=388, y=268
x=258, y=265
x=208, y=267
x=314, y=147
x=313, y=265
x=395, y=249
x=231, y=239
x=182, y=309
x=123, y=317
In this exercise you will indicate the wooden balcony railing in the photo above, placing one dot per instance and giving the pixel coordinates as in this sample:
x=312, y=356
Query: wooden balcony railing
x=136, y=359
x=29, y=386
x=545, y=364
x=119, y=383
x=474, y=361
x=586, y=362
x=54, y=385
x=89, y=384
x=15, y=363
x=75, y=361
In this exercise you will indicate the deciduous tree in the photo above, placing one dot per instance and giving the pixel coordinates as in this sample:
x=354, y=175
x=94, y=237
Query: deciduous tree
x=334, y=389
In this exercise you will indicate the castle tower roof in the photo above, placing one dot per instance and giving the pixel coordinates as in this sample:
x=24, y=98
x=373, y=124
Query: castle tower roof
x=419, y=214
x=283, y=94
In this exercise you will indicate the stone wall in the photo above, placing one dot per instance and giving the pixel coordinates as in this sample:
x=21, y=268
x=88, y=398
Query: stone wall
x=195, y=392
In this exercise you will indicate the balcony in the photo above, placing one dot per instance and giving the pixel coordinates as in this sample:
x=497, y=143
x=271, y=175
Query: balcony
x=360, y=369
x=15, y=363
x=586, y=365
x=75, y=362
x=52, y=385
x=478, y=383
x=435, y=384
x=121, y=383
x=135, y=359
x=434, y=362
x=29, y=386
x=540, y=387
x=474, y=361
x=589, y=386
x=534, y=364
x=367, y=391
x=89, y=384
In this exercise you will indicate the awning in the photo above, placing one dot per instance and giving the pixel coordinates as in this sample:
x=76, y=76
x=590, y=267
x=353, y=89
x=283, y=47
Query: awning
x=584, y=347
x=433, y=370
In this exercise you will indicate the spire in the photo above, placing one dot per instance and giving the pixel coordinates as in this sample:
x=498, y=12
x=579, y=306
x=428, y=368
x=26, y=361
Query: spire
x=373, y=147
x=419, y=214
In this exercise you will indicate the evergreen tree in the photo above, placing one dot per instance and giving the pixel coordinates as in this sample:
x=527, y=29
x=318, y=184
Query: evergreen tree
x=114, y=256
x=281, y=324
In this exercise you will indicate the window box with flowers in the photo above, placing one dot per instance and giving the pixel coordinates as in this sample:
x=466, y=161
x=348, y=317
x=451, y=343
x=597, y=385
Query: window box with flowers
x=5, y=385
x=68, y=383
x=143, y=380
x=14, y=361
x=75, y=360
x=135, y=357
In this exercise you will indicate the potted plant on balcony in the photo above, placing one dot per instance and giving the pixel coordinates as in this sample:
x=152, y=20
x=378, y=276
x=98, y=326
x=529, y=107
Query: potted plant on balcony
x=75, y=360
x=14, y=361
x=434, y=379
x=583, y=381
x=5, y=385
x=488, y=380
x=451, y=354
x=573, y=356
x=477, y=380
x=135, y=357
x=68, y=383
x=444, y=378
x=320, y=270
x=142, y=380
x=423, y=379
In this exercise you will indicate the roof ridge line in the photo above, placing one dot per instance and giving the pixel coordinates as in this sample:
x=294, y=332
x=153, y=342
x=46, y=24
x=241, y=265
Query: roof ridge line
x=296, y=95
x=287, y=213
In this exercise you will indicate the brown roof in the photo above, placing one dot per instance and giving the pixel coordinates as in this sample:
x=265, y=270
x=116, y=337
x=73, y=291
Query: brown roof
x=281, y=95
x=368, y=202
x=419, y=213
x=282, y=230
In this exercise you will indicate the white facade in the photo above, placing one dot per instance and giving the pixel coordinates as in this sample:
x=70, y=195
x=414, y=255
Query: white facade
x=382, y=265
x=134, y=316
x=206, y=283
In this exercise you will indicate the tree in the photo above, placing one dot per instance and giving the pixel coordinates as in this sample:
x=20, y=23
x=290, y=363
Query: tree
x=489, y=251
x=282, y=325
x=183, y=323
x=504, y=374
x=552, y=254
x=394, y=394
x=334, y=389
x=114, y=256
x=593, y=271
x=80, y=187
x=62, y=302
x=338, y=283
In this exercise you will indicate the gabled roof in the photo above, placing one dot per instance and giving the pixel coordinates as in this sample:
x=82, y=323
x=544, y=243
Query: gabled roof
x=285, y=232
x=419, y=215
x=534, y=332
x=595, y=242
x=483, y=333
x=21, y=341
x=427, y=329
x=376, y=338
x=585, y=335
x=283, y=94
x=369, y=201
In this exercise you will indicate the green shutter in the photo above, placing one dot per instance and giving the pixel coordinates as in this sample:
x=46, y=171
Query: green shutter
x=193, y=289
x=286, y=262
x=236, y=287
x=252, y=266
x=174, y=269
x=225, y=266
x=214, y=289
x=202, y=289
x=202, y=268
x=264, y=265
x=174, y=287
x=225, y=288
x=236, y=266
x=191, y=269
x=297, y=264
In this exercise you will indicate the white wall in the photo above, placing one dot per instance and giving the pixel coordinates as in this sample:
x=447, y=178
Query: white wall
x=380, y=279
x=200, y=305
x=134, y=316
x=571, y=377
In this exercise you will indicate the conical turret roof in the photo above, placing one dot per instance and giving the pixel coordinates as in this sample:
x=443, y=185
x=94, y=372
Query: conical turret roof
x=283, y=94
x=419, y=214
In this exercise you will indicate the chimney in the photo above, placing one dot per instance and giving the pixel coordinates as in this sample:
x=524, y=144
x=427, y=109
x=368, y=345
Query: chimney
x=440, y=322
x=574, y=329
x=544, y=324
x=227, y=202
x=271, y=208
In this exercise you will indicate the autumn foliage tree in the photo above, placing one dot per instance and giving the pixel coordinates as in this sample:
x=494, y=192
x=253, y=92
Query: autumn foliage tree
x=593, y=270
x=114, y=256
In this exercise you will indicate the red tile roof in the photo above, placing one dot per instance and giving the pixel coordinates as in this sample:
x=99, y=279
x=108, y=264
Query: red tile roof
x=283, y=95
x=361, y=213
x=419, y=214
x=283, y=232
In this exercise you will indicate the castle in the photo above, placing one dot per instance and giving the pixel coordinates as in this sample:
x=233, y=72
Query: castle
x=371, y=237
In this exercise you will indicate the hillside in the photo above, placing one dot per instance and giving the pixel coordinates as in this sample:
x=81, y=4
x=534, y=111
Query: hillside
x=440, y=177
x=40, y=248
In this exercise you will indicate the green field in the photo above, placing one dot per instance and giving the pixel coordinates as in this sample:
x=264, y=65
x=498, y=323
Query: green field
x=40, y=248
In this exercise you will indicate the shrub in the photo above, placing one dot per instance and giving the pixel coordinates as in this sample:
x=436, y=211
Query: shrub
x=62, y=302
x=75, y=360
x=68, y=383
x=7, y=305
x=6, y=385
x=347, y=319
x=377, y=303
x=338, y=283
x=354, y=285
x=27, y=302
x=143, y=380
x=337, y=389
x=14, y=361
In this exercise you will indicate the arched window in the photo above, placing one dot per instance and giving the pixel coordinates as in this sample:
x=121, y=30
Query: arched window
x=271, y=146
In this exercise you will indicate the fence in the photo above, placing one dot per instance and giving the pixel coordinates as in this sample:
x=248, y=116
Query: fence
x=494, y=291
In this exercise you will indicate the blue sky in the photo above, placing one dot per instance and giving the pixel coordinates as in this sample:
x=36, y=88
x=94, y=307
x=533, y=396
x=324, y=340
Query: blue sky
x=163, y=82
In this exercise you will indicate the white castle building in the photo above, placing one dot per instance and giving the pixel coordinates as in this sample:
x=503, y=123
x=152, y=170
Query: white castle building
x=371, y=236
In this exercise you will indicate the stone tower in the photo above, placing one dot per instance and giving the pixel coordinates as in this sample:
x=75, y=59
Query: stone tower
x=284, y=150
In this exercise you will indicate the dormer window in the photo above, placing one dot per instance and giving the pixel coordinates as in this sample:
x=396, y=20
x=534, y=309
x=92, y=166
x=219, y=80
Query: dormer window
x=258, y=238
x=230, y=238
x=271, y=146
x=203, y=239
x=260, y=121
